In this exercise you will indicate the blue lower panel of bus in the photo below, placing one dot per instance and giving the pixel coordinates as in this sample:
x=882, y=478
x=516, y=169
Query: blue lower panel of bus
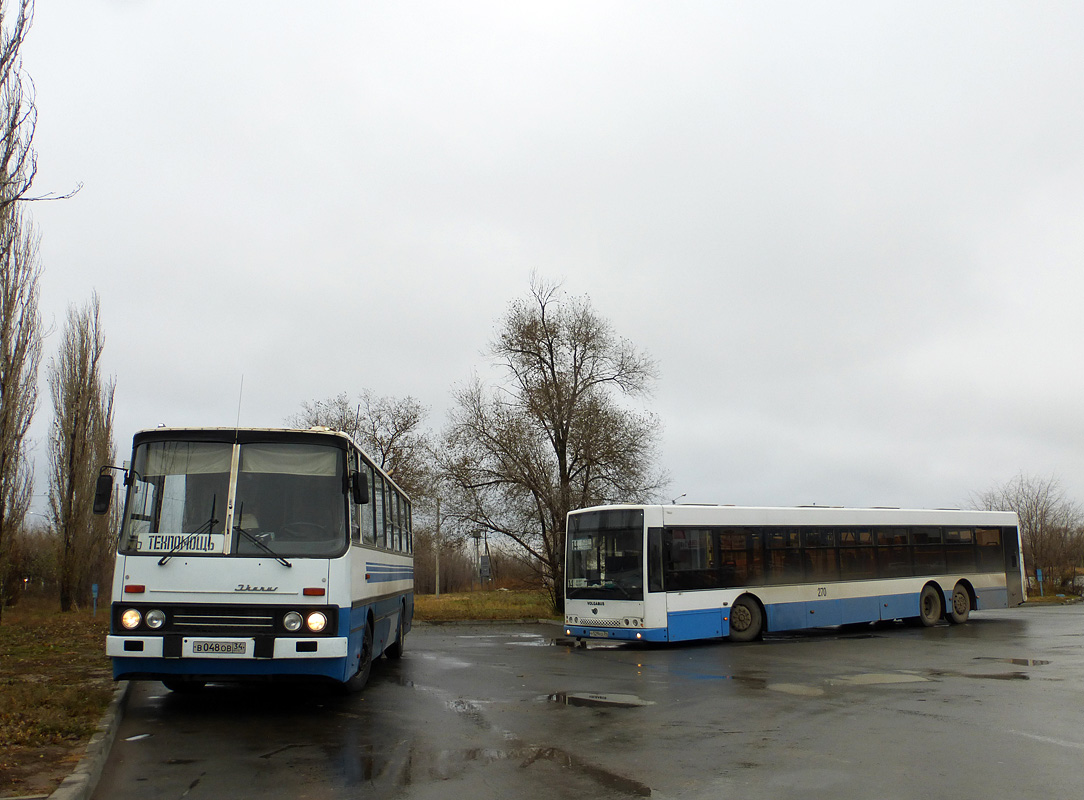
x=229, y=668
x=713, y=623
x=627, y=634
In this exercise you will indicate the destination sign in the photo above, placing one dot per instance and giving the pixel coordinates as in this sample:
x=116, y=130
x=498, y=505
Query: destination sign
x=178, y=543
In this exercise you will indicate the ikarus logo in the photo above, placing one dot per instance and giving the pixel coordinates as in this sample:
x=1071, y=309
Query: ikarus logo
x=245, y=587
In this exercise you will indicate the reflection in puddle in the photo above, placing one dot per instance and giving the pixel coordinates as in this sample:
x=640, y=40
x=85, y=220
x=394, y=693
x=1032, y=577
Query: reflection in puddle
x=993, y=676
x=1020, y=662
x=407, y=764
x=796, y=689
x=594, y=699
x=879, y=679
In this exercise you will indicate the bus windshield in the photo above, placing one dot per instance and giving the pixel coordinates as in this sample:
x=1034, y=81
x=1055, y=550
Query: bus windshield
x=605, y=555
x=288, y=499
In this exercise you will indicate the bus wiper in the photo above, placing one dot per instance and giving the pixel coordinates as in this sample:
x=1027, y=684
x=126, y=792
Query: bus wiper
x=206, y=527
x=256, y=541
x=616, y=585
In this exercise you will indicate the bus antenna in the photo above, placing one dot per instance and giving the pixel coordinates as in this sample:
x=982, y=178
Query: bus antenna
x=240, y=394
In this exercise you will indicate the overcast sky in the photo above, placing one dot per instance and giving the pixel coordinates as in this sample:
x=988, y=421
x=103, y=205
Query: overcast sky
x=850, y=234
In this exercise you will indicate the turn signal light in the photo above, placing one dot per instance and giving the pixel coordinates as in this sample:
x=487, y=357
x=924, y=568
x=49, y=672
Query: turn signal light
x=135, y=588
x=313, y=591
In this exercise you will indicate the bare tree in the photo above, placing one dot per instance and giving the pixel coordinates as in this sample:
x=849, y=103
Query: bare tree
x=389, y=429
x=553, y=437
x=81, y=440
x=18, y=114
x=1050, y=523
x=20, y=322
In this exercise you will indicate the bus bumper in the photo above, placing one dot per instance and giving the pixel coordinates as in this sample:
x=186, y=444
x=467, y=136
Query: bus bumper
x=150, y=656
x=616, y=634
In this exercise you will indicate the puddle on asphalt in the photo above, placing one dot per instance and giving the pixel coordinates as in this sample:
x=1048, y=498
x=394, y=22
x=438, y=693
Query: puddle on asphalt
x=599, y=700
x=533, y=641
x=798, y=689
x=1020, y=662
x=878, y=679
x=992, y=676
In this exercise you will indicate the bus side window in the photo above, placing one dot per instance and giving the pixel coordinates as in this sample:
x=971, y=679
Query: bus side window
x=654, y=560
x=378, y=511
x=355, y=510
x=368, y=530
x=397, y=505
x=989, y=544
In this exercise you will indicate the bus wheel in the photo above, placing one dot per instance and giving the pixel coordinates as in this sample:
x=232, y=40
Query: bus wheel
x=365, y=662
x=929, y=606
x=961, y=605
x=397, y=647
x=746, y=620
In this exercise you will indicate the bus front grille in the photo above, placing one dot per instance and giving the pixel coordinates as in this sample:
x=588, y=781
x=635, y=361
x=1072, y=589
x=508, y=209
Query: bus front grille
x=223, y=621
x=596, y=622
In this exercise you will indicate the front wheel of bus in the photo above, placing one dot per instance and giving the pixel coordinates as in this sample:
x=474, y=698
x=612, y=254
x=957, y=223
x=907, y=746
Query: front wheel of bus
x=746, y=620
x=365, y=662
x=929, y=606
x=960, y=609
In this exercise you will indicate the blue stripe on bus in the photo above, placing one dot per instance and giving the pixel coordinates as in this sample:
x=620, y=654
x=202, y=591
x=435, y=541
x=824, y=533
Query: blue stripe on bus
x=713, y=623
x=379, y=573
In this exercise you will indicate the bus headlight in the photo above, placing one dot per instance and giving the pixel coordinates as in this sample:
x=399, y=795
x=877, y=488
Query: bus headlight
x=316, y=621
x=130, y=619
x=156, y=618
x=292, y=622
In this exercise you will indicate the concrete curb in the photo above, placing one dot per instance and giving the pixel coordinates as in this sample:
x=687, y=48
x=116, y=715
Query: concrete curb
x=81, y=783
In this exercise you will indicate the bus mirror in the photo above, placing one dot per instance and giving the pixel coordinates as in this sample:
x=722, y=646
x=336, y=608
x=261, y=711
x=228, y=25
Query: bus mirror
x=103, y=493
x=360, y=488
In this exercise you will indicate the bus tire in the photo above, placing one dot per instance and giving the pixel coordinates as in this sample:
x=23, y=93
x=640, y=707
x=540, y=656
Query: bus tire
x=929, y=606
x=365, y=662
x=395, y=651
x=960, y=608
x=746, y=620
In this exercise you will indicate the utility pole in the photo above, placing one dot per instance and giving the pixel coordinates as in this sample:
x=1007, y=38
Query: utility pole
x=436, y=546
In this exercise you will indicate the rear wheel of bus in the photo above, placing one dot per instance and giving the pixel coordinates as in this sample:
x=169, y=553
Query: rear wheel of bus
x=929, y=606
x=397, y=647
x=960, y=606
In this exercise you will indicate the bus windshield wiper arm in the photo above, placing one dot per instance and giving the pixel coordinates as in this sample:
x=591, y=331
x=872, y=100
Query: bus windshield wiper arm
x=255, y=540
x=204, y=528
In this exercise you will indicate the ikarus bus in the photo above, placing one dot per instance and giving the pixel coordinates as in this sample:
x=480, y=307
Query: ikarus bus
x=257, y=554
x=682, y=572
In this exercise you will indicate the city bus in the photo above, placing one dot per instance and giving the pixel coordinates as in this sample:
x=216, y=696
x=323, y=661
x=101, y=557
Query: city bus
x=256, y=554
x=667, y=573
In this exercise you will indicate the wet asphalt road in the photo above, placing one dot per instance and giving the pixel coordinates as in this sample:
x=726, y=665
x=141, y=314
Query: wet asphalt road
x=991, y=709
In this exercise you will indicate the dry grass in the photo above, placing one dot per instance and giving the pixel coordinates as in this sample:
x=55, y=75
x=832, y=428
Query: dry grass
x=494, y=605
x=55, y=684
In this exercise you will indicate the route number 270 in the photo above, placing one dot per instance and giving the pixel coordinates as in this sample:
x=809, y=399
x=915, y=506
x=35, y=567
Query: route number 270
x=822, y=591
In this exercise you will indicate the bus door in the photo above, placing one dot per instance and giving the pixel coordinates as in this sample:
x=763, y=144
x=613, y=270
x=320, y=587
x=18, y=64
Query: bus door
x=1010, y=538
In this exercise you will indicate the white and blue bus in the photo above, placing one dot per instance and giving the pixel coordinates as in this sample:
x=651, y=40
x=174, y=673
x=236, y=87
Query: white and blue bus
x=257, y=554
x=682, y=572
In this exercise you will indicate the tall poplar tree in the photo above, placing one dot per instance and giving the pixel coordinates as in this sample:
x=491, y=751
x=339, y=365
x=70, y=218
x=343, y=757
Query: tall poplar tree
x=20, y=322
x=81, y=442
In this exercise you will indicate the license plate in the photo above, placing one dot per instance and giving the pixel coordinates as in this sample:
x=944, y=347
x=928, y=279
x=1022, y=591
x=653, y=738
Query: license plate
x=598, y=634
x=219, y=648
